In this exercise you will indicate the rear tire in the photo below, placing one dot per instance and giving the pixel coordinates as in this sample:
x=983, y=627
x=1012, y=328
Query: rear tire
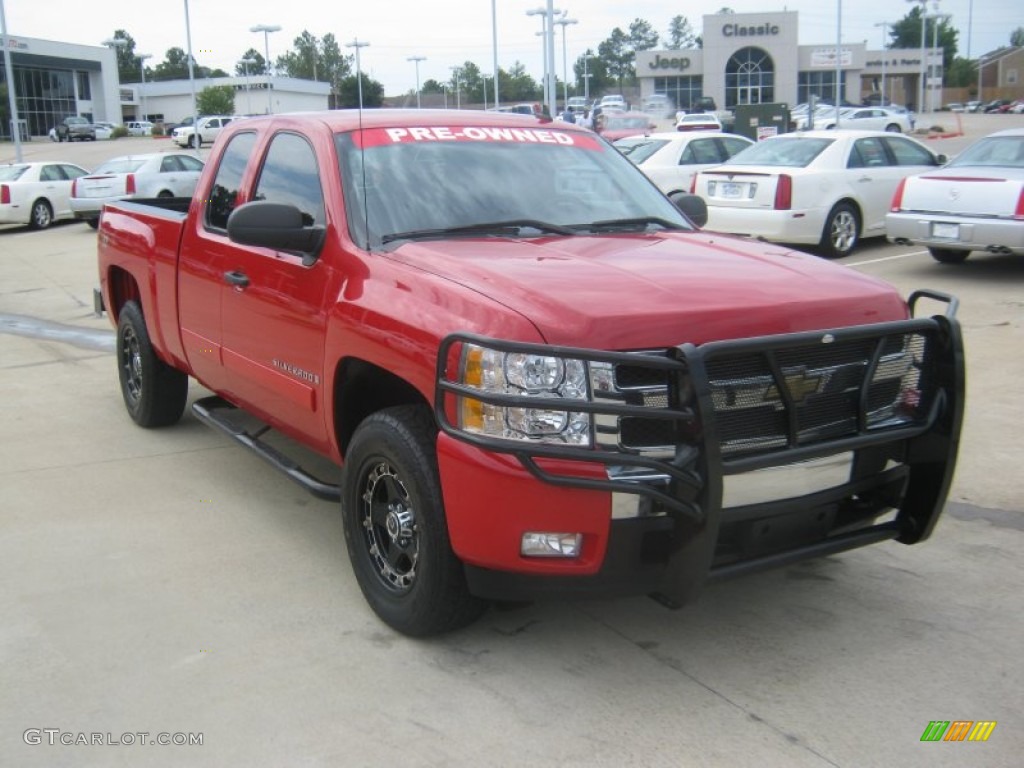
x=893, y=128
x=41, y=215
x=94, y=223
x=154, y=393
x=949, y=255
x=841, y=233
x=395, y=527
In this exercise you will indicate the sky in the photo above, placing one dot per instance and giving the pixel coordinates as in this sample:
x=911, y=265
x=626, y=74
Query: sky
x=450, y=32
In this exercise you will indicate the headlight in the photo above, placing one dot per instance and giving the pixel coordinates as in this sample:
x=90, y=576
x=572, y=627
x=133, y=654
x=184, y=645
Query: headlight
x=524, y=375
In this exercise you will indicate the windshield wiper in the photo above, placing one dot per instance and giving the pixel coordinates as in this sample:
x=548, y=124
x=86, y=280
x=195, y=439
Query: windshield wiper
x=511, y=228
x=641, y=223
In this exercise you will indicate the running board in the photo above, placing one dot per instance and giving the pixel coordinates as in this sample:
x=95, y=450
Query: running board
x=212, y=411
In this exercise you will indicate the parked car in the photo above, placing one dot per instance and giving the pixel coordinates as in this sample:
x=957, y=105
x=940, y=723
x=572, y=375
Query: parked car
x=104, y=130
x=955, y=106
x=614, y=101
x=157, y=174
x=995, y=105
x=75, y=129
x=671, y=160
x=37, y=194
x=208, y=130
x=863, y=118
x=976, y=203
x=659, y=104
x=973, y=106
x=578, y=104
x=698, y=121
x=617, y=125
x=139, y=128
x=826, y=188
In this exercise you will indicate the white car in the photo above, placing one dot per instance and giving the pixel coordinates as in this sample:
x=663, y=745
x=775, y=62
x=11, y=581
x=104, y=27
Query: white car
x=139, y=128
x=614, y=101
x=209, y=129
x=157, y=174
x=36, y=194
x=976, y=203
x=104, y=130
x=671, y=160
x=864, y=119
x=825, y=188
x=698, y=121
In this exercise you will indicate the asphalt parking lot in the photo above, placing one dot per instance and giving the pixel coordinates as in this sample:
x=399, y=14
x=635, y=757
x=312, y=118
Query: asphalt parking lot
x=165, y=583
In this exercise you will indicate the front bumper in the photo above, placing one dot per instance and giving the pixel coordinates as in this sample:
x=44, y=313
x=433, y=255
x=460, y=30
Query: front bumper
x=663, y=520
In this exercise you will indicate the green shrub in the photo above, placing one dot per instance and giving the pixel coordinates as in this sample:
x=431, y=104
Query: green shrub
x=157, y=129
x=118, y=132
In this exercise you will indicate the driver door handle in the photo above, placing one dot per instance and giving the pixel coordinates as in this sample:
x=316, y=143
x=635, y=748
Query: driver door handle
x=237, y=279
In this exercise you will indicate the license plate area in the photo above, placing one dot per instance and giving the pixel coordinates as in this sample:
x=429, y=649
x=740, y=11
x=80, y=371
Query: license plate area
x=731, y=190
x=945, y=231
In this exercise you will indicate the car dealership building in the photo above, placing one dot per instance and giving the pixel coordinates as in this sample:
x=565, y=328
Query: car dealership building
x=54, y=80
x=756, y=58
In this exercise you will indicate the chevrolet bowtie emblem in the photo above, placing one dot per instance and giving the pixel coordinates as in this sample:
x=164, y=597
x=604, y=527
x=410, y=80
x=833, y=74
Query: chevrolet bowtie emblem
x=799, y=383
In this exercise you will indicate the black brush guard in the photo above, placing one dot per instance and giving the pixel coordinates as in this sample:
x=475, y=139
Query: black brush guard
x=694, y=541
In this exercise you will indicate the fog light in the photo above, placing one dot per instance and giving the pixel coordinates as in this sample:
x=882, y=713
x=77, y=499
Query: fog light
x=536, y=544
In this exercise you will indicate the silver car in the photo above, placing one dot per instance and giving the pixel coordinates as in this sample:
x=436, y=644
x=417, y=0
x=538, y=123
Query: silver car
x=975, y=203
x=157, y=174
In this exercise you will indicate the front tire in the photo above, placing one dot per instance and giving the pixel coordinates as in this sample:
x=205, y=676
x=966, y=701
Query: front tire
x=893, y=128
x=841, y=232
x=395, y=526
x=154, y=393
x=41, y=215
x=949, y=255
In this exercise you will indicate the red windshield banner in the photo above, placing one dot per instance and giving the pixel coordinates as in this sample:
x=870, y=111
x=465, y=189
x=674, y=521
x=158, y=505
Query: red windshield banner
x=378, y=137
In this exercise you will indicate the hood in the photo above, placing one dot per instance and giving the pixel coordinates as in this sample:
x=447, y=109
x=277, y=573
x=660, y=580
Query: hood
x=643, y=291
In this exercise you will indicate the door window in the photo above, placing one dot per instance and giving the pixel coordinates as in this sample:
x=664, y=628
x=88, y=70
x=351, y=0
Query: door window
x=290, y=175
x=907, y=152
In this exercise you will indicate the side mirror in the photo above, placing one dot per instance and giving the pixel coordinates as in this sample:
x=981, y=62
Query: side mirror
x=280, y=226
x=942, y=159
x=692, y=206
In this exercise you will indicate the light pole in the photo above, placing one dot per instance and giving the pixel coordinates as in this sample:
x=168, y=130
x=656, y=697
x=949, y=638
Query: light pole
x=564, y=22
x=142, y=71
x=547, y=31
x=932, y=70
x=417, y=59
x=839, y=58
x=920, y=84
x=458, y=93
x=191, y=75
x=885, y=33
x=359, y=70
x=586, y=76
x=266, y=29
x=483, y=78
x=9, y=74
x=246, y=63
x=494, y=44
x=114, y=44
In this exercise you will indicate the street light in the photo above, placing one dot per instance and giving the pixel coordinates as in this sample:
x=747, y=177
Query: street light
x=191, y=76
x=586, y=75
x=920, y=84
x=494, y=45
x=484, y=79
x=359, y=71
x=246, y=63
x=417, y=59
x=885, y=33
x=458, y=93
x=547, y=30
x=142, y=90
x=9, y=74
x=564, y=22
x=266, y=29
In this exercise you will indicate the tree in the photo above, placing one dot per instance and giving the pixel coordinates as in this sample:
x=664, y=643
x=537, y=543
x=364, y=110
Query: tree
x=257, y=68
x=906, y=33
x=516, y=85
x=348, y=92
x=216, y=100
x=680, y=34
x=596, y=71
x=301, y=62
x=1017, y=37
x=616, y=55
x=127, y=61
x=642, y=36
x=173, y=67
x=963, y=73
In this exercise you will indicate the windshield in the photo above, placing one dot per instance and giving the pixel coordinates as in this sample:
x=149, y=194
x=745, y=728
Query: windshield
x=615, y=123
x=532, y=180
x=996, y=151
x=782, y=151
x=12, y=172
x=121, y=165
x=638, y=150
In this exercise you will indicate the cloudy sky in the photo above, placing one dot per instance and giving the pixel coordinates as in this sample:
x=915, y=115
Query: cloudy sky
x=451, y=32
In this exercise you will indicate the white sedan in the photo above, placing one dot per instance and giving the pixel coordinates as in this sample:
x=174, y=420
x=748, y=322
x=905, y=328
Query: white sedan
x=671, y=160
x=36, y=194
x=827, y=188
x=976, y=203
x=864, y=119
x=157, y=174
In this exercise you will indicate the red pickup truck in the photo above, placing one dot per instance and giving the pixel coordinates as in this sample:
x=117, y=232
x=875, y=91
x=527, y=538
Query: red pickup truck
x=534, y=374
